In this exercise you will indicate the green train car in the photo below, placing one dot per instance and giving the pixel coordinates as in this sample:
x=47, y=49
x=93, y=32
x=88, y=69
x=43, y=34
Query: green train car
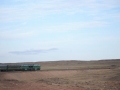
x=22, y=67
x=3, y=67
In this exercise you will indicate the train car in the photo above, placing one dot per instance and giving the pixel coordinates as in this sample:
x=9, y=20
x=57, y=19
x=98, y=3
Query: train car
x=30, y=67
x=14, y=68
x=20, y=67
x=3, y=67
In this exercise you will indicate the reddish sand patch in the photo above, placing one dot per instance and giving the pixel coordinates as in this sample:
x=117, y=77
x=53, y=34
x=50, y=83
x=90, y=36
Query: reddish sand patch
x=34, y=86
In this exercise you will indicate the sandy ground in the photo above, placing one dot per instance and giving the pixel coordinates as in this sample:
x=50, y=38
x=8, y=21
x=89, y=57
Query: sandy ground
x=34, y=86
x=102, y=79
x=65, y=75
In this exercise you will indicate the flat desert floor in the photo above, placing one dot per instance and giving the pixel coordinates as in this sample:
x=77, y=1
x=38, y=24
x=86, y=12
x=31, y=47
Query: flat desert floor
x=65, y=75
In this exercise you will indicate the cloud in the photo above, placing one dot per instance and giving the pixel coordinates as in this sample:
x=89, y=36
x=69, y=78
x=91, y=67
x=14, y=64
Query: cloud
x=25, y=9
x=20, y=33
x=29, y=52
x=71, y=26
x=15, y=34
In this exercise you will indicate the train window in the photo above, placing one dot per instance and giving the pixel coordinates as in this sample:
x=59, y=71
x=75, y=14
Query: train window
x=30, y=66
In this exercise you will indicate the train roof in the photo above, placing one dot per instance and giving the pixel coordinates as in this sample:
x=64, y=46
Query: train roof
x=3, y=65
x=19, y=65
x=30, y=65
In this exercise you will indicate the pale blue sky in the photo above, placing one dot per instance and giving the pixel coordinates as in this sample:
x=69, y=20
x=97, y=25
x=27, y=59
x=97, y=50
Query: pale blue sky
x=48, y=30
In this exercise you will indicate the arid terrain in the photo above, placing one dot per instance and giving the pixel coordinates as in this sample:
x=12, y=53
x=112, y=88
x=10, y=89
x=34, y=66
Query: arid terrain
x=65, y=75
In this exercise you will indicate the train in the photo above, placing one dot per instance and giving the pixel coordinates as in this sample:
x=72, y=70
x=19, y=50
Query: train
x=20, y=67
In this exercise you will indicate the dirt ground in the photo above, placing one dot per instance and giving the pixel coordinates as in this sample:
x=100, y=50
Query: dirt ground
x=62, y=79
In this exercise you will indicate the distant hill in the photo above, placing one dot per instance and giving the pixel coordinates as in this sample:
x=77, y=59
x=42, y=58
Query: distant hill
x=76, y=64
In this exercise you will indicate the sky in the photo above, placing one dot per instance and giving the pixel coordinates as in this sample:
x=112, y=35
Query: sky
x=50, y=30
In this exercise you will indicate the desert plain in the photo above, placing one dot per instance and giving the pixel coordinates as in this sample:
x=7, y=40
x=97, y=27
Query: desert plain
x=65, y=75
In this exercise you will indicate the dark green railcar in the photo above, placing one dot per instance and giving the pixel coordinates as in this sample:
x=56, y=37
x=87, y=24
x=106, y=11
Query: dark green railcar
x=20, y=67
x=13, y=67
x=3, y=67
x=30, y=67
